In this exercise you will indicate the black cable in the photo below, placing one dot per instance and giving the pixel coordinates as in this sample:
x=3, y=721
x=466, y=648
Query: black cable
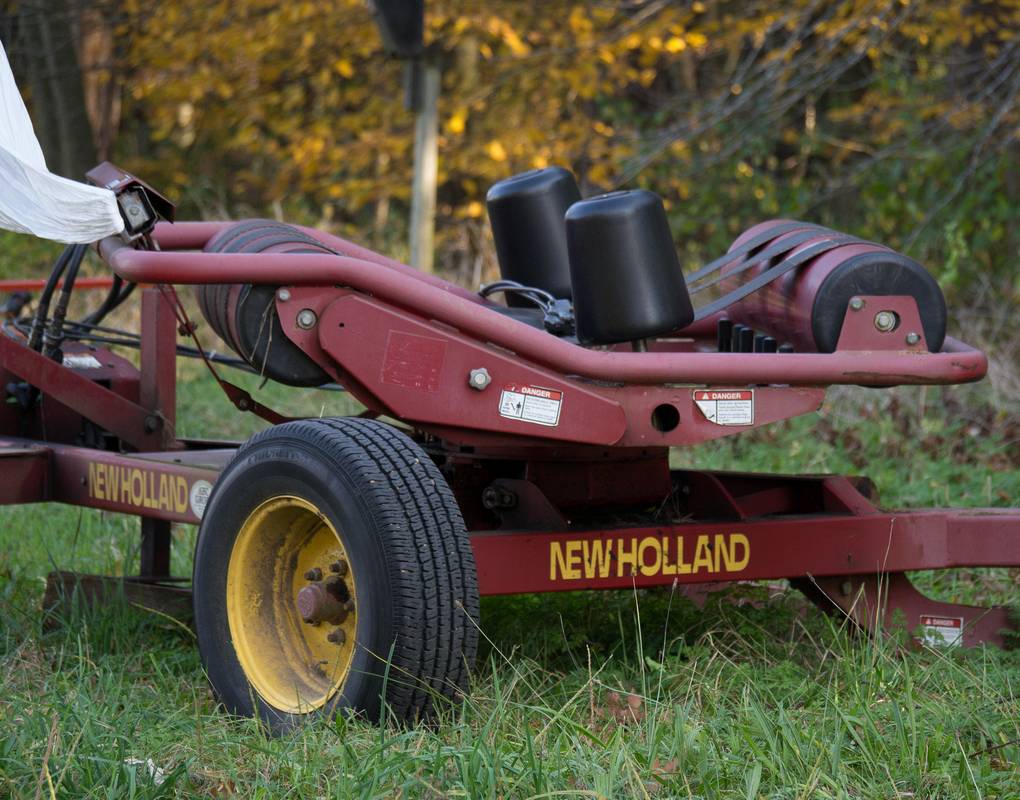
x=42, y=310
x=120, y=338
x=54, y=335
x=118, y=293
x=539, y=297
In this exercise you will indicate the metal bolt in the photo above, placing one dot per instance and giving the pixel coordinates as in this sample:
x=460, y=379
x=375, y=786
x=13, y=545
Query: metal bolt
x=314, y=574
x=886, y=321
x=479, y=378
x=283, y=295
x=306, y=318
x=339, y=567
x=913, y=338
x=337, y=636
x=151, y=424
x=856, y=304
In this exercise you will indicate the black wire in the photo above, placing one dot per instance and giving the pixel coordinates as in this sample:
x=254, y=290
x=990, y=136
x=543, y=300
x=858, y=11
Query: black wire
x=539, y=297
x=118, y=293
x=85, y=332
x=54, y=335
x=42, y=310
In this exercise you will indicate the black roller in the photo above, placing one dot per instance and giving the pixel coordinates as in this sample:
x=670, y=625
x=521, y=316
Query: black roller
x=244, y=316
x=724, y=337
x=526, y=213
x=627, y=280
x=879, y=273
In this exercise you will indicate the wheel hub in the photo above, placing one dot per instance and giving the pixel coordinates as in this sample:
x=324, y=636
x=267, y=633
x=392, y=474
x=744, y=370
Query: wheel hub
x=278, y=600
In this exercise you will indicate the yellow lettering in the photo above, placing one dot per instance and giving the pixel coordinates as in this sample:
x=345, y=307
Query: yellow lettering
x=124, y=475
x=682, y=567
x=573, y=570
x=651, y=543
x=667, y=567
x=557, y=561
x=596, y=558
x=702, y=555
x=626, y=557
x=735, y=564
x=94, y=489
x=164, y=493
x=148, y=489
x=181, y=500
x=137, y=484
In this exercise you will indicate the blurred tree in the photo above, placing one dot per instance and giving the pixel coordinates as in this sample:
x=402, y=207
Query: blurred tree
x=897, y=121
x=43, y=38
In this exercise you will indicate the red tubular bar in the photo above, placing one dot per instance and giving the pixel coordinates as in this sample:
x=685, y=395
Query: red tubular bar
x=194, y=235
x=413, y=291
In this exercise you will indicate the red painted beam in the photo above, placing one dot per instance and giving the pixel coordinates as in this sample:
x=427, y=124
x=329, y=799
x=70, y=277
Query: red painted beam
x=763, y=549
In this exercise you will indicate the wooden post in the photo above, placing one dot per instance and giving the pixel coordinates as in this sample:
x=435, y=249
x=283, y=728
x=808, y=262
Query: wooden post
x=426, y=157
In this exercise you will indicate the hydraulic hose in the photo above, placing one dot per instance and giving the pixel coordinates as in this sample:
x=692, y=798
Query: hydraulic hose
x=55, y=334
x=42, y=311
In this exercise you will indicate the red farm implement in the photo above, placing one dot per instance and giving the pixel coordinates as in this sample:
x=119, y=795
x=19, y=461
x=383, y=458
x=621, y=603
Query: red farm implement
x=526, y=447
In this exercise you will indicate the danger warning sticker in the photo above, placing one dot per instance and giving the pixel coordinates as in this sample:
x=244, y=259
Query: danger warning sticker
x=941, y=631
x=531, y=404
x=733, y=407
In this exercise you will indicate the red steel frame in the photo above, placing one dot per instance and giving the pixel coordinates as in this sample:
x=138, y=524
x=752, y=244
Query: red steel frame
x=404, y=343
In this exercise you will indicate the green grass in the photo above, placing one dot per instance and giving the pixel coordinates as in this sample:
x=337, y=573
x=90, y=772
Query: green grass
x=766, y=699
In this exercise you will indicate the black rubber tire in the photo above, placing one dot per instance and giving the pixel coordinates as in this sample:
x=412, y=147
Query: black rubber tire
x=408, y=548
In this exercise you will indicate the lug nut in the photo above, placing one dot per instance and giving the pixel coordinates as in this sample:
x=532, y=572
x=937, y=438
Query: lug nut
x=856, y=304
x=337, y=636
x=314, y=574
x=306, y=318
x=913, y=338
x=283, y=295
x=886, y=321
x=339, y=567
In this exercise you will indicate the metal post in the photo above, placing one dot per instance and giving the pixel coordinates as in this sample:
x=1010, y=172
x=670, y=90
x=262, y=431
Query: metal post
x=158, y=379
x=158, y=394
x=426, y=157
x=154, y=558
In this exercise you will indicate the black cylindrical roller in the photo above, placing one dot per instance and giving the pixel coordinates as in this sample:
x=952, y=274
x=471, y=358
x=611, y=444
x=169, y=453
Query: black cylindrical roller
x=770, y=345
x=624, y=269
x=746, y=340
x=725, y=336
x=759, y=343
x=526, y=213
x=735, y=339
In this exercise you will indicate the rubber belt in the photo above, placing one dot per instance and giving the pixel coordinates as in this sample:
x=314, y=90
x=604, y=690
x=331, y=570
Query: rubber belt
x=750, y=245
x=769, y=252
x=769, y=275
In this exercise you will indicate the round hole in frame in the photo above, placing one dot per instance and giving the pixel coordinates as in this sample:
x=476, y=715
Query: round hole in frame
x=665, y=418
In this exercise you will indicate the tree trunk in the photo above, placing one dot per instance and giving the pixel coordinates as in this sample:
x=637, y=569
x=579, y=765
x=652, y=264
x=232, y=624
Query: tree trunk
x=47, y=54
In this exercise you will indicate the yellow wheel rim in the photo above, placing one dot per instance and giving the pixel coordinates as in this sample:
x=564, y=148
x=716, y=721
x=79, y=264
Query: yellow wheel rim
x=291, y=605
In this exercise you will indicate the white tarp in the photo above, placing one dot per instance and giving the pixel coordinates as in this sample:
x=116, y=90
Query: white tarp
x=34, y=200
